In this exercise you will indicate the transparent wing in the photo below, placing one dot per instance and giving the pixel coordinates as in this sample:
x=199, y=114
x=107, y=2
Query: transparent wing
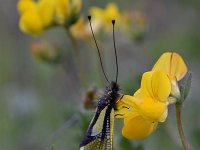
x=101, y=135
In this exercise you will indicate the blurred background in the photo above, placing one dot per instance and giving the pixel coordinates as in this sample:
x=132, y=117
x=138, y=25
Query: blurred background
x=41, y=104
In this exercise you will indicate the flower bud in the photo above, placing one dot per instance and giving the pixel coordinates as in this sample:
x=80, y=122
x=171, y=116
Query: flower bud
x=45, y=51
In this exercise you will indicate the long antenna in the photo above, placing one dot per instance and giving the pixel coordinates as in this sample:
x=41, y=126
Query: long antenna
x=116, y=60
x=89, y=18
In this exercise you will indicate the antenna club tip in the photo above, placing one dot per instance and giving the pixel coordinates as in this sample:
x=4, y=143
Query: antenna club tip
x=113, y=22
x=89, y=17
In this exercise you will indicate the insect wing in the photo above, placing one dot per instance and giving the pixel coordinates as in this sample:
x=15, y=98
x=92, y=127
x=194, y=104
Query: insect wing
x=100, y=132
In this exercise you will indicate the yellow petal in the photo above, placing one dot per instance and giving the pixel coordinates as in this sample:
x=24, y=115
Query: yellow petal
x=151, y=109
x=178, y=66
x=172, y=64
x=97, y=18
x=163, y=63
x=161, y=86
x=31, y=23
x=125, y=106
x=62, y=10
x=79, y=29
x=25, y=5
x=105, y=16
x=138, y=128
x=46, y=9
x=146, y=87
x=96, y=12
x=155, y=84
x=111, y=13
x=130, y=101
x=139, y=94
x=163, y=116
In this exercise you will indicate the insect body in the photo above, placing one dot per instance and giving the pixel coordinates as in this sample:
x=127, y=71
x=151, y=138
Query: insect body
x=99, y=135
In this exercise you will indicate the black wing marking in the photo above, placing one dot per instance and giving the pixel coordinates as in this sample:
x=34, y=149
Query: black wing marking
x=100, y=132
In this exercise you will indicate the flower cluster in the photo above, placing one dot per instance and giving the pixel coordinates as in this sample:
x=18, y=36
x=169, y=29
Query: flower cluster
x=36, y=16
x=148, y=106
x=102, y=18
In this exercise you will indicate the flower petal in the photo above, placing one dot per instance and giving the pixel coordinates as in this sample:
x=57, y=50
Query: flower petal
x=178, y=67
x=46, y=9
x=31, y=23
x=146, y=87
x=96, y=12
x=62, y=10
x=125, y=106
x=139, y=94
x=155, y=84
x=151, y=109
x=138, y=127
x=106, y=15
x=163, y=116
x=25, y=5
x=111, y=13
x=161, y=86
x=172, y=64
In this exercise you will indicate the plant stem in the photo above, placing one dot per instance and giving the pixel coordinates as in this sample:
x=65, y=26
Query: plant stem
x=78, y=58
x=180, y=128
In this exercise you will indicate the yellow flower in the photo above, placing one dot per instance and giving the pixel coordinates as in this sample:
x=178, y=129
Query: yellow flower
x=54, y=11
x=31, y=23
x=62, y=10
x=81, y=29
x=46, y=10
x=137, y=127
x=25, y=5
x=147, y=107
x=174, y=66
x=105, y=16
x=47, y=13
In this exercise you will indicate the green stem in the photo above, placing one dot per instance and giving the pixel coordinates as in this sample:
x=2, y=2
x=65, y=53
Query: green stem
x=180, y=128
x=78, y=58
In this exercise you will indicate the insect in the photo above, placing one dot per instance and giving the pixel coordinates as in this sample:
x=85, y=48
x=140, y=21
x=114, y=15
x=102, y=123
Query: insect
x=99, y=135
